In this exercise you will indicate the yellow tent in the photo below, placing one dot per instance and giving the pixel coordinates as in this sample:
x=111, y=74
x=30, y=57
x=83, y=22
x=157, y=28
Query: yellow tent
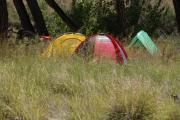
x=65, y=45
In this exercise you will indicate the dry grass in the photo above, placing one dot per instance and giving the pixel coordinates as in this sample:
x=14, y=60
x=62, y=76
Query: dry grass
x=33, y=88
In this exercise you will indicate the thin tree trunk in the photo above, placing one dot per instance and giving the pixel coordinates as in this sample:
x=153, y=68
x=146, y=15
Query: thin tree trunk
x=120, y=8
x=61, y=13
x=3, y=20
x=177, y=11
x=38, y=17
x=23, y=15
x=136, y=7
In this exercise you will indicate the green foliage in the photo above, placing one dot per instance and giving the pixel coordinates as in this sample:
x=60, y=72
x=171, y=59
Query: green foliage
x=152, y=16
x=100, y=16
x=95, y=16
x=55, y=25
x=83, y=12
x=53, y=21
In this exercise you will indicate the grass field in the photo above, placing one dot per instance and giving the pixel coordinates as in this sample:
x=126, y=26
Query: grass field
x=33, y=88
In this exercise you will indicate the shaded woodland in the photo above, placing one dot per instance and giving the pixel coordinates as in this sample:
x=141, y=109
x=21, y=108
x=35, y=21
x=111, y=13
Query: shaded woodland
x=123, y=18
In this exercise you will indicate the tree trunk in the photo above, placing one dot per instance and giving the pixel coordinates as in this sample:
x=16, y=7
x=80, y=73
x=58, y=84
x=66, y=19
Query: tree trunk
x=3, y=20
x=61, y=13
x=24, y=17
x=120, y=8
x=177, y=11
x=38, y=17
x=136, y=7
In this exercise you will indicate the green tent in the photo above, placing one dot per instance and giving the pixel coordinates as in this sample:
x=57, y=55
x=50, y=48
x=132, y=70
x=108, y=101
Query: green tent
x=143, y=39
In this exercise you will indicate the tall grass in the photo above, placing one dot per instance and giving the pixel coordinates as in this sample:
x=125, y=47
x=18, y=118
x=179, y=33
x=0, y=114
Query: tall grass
x=33, y=88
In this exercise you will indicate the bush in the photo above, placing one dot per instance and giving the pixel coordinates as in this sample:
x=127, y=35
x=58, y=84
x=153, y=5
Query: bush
x=100, y=16
x=95, y=16
x=152, y=16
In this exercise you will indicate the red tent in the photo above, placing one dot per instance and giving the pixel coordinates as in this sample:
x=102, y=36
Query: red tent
x=104, y=46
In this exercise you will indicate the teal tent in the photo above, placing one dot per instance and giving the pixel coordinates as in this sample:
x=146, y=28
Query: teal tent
x=143, y=39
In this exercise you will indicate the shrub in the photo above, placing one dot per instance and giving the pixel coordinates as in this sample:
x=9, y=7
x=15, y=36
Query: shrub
x=152, y=16
x=100, y=16
x=95, y=16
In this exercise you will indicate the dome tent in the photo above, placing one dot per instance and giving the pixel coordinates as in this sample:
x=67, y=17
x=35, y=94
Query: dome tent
x=103, y=46
x=64, y=45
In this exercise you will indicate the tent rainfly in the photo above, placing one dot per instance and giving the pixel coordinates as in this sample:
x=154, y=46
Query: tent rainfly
x=143, y=39
x=64, y=45
x=104, y=46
